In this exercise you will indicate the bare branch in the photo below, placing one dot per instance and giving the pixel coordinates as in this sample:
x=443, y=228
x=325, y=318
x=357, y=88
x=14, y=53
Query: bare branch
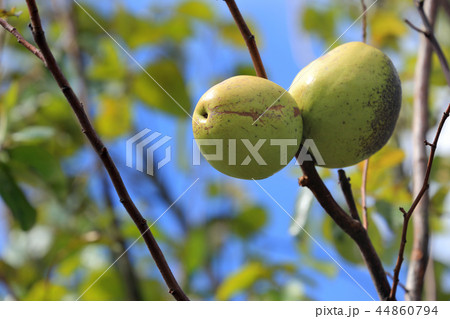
x=347, y=190
x=102, y=152
x=248, y=37
x=22, y=40
x=407, y=215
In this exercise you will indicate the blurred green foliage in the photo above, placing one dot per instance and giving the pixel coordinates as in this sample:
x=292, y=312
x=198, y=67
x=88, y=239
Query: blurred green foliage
x=61, y=236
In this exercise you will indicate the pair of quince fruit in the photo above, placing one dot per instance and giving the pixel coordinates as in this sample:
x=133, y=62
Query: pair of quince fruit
x=345, y=103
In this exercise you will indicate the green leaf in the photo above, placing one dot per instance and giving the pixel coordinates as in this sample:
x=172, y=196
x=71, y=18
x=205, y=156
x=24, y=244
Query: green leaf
x=345, y=246
x=320, y=22
x=135, y=30
x=41, y=163
x=249, y=221
x=170, y=84
x=245, y=69
x=195, y=250
x=114, y=116
x=108, y=288
x=241, y=280
x=177, y=29
x=10, y=96
x=196, y=9
x=107, y=64
x=15, y=199
x=44, y=290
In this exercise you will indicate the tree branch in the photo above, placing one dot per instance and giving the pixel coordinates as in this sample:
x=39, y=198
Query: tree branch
x=350, y=226
x=348, y=194
x=407, y=215
x=429, y=34
x=248, y=37
x=102, y=152
x=22, y=40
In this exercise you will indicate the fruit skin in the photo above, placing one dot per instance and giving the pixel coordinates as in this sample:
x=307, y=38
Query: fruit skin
x=350, y=100
x=228, y=110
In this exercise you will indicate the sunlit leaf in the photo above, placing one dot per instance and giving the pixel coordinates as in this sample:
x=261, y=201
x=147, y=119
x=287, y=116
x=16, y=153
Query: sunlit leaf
x=241, y=280
x=107, y=64
x=44, y=290
x=9, y=98
x=108, y=288
x=196, y=9
x=386, y=27
x=15, y=199
x=114, y=116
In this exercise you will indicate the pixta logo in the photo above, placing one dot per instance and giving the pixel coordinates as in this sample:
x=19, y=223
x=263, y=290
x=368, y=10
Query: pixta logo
x=144, y=141
x=308, y=151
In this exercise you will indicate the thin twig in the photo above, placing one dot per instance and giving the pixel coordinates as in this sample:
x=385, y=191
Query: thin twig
x=407, y=215
x=22, y=40
x=248, y=37
x=352, y=227
x=399, y=283
x=348, y=194
x=102, y=152
x=365, y=219
x=364, y=21
x=428, y=32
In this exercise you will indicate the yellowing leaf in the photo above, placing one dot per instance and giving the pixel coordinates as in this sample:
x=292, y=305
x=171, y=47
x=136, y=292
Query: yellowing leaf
x=388, y=157
x=114, y=116
x=107, y=64
x=386, y=27
x=196, y=9
x=241, y=280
